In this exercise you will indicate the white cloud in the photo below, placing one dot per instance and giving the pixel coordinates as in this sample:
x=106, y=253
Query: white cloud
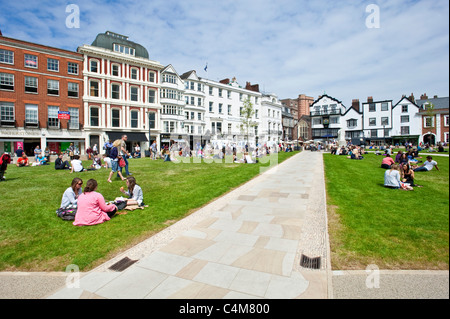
x=289, y=47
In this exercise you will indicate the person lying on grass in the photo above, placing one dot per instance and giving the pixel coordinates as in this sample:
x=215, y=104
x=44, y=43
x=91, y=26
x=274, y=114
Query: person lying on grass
x=427, y=165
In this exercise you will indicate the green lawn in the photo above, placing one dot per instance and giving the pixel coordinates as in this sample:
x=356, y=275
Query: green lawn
x=33, y=238
x=393, y=229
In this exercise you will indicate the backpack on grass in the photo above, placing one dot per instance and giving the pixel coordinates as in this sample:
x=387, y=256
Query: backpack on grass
x=67, y=213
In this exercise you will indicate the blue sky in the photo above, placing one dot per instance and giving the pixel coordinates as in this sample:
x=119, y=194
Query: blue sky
x=288, y=47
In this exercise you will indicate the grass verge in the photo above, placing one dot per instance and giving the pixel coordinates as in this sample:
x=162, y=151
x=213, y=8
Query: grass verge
x=393, y=229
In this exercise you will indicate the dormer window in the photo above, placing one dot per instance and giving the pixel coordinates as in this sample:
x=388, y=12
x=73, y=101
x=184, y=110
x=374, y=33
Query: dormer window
x=124, y=49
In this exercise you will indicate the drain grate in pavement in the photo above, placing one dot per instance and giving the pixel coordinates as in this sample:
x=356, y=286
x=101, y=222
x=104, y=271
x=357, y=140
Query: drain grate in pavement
x=122, y=264
x=311, y=263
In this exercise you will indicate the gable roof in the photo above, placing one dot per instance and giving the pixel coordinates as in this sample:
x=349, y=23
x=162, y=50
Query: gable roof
x=405, y=98
x=188, y=74
x=325, y=95
x=170, y=69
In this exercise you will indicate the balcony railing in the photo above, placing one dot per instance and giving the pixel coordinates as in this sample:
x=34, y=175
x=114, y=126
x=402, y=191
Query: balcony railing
x=320, y=113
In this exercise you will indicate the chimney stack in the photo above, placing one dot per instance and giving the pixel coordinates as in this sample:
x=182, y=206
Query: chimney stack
x=355, y=104
x=424, y=97
x=411, y=98
x=370, y=99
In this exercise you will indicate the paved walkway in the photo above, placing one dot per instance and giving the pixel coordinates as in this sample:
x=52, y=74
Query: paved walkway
x=246, y=244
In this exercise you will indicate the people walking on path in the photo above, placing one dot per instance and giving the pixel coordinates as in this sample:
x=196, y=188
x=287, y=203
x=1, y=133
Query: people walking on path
x=114, y=155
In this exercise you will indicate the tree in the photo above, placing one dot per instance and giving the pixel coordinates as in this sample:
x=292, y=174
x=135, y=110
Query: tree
x=247, y=113
x=429, y=112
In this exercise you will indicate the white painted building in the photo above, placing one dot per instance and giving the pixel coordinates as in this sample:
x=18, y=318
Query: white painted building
x=377, y=118
x=173, y=105
x=327, y=118
x=407, y=122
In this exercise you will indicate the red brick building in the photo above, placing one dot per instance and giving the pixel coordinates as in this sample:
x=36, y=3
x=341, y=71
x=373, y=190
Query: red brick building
x=37, y=83
x=435, y=121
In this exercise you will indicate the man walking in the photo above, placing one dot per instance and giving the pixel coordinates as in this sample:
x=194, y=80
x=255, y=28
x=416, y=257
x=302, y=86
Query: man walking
x=153, y=150
x=124, y=153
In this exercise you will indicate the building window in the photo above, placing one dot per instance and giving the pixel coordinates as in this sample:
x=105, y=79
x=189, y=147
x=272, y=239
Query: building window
x=220, y=108
x=220, y=92
x=94, y=116
x=93, y=66
x=6, y=81
x=152, y=120
x=31, y=114
x=211, y=107
x=123, y=49
x=72, y=68
x=52, y=65
x=334, y=120
x=169, y=78
x=446, y=137
x=115, y=118
x=404, y=108
x=429, y=121
x=115, y=91
x=93, y=88
x=6, y=112
x=134, y=74
x=134, y=115
x=446, y=120
x=31, y=61
x=384, y=121
x=373, y=121
x=229, y=111
x=372, y=107
x=151, y=77
x=31, y=84
x=53, y=120
x=52, y=87
x=199, y=101
x=405, y=130
x=199, y=116
x=317, y=121
x=210, y=90
x=373, y=133
x=115, y=70
x=6, y=56
x=72, y=89
x=151, y=96
x=74, y=122
x=384, y=106
x=134, y=93
x=404, y=119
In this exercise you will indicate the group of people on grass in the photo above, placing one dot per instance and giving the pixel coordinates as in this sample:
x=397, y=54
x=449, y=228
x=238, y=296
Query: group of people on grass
x=92, y=209
x=400, y=173
x=351, y=151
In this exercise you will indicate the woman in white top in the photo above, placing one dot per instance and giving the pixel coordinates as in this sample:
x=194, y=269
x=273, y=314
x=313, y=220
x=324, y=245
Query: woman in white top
x=136, y=196
x=70, y=196
x=392, y=177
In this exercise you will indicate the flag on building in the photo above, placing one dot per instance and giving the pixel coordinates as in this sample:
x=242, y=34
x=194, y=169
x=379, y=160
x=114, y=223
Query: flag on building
x=206, y=67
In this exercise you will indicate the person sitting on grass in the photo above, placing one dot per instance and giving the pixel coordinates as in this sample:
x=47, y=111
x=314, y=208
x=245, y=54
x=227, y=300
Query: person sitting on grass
x=96, y=162
x=41, y=160
x=107, y=161
x=387, y=162
x=407, y=175
x=392, y=177
x=22, y=161
x=134, y=192
x=427, y=165
x=77, y=165
x=71, y=194
x=92, y=208
x=61, y=164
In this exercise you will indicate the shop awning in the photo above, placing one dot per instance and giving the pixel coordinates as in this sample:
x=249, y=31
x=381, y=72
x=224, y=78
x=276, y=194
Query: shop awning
x=132, y=136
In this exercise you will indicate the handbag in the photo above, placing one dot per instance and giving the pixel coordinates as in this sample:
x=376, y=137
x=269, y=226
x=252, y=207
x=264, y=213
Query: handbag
x=122, y=162
x=67, y=213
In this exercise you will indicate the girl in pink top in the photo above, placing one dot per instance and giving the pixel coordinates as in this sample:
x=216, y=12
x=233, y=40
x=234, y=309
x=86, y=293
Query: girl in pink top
x=92, y=208
x=387, y=162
